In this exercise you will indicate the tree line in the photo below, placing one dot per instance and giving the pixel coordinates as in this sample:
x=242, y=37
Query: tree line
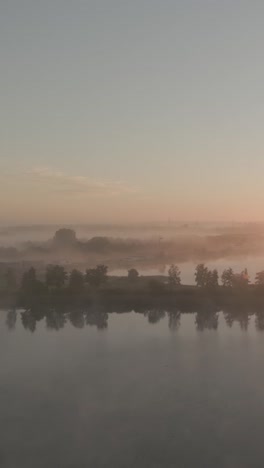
x=206, y=278
x=56, y=278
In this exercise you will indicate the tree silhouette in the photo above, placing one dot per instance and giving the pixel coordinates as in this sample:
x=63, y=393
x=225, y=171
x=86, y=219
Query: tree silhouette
x=56, y=276
x=10, y=280
x=245, y=276
x=95, y=277
x=132, y=274
x=174, y=275
x=76, y=281
x=227, y=278
x=212, y=278
x=241, y=280
x=29, y=279
x=200, y=275
x=64, y=238
x=259, y=280
x=30, y=285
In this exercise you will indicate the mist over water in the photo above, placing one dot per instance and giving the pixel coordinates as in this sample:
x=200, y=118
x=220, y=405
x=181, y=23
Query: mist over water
x=137, y=393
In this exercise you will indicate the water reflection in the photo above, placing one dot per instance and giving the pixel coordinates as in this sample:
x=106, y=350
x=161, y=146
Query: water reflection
x=29, y=320
x=207, y=320
x=11, y=319
x=57, y=319
x=76, y=318
x=100, y=320
x=97, y=316
x=259, y=320
x=71, y=391
x=174, y=320
x=240, y=315
x=154, y=315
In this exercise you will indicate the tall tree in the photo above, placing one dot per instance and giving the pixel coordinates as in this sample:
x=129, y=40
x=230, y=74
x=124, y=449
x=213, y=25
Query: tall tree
x=201, y=272
x=56, y=276
x=259, y=279
x=212, y=278
x=10, y=279
x=95, y=277
x=29, y=281
x=227, y=278
x=241, y=280
x=174, y=275
x=76, y=281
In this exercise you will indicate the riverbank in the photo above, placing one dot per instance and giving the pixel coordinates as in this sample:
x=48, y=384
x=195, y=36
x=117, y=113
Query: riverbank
x=121, y=293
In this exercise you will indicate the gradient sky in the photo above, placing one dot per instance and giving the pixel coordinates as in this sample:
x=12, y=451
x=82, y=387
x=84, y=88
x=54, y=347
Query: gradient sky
x=117, y=110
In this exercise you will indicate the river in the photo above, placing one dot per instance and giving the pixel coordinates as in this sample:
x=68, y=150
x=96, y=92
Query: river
x=133, y=390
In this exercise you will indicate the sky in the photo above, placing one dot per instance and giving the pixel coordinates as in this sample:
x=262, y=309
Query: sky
x=131, y=110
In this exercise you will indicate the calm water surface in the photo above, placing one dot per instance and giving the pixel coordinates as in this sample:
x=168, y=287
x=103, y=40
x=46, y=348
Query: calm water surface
x=134, y=391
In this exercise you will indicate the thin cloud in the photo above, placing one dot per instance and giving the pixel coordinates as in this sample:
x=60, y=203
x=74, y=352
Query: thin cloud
x=61, y=182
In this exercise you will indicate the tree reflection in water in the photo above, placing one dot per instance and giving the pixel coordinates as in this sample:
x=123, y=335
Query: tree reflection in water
x=98, y=318
x=154, y=315
x=57, y=319
x=174, y=320
x=239, y=315
x=259, y=320
x=29, y=320
x=76, y=317
x=11, y=319
x=205, y=319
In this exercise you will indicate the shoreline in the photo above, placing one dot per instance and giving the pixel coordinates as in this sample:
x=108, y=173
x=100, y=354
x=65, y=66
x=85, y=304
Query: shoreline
x=131, y=296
